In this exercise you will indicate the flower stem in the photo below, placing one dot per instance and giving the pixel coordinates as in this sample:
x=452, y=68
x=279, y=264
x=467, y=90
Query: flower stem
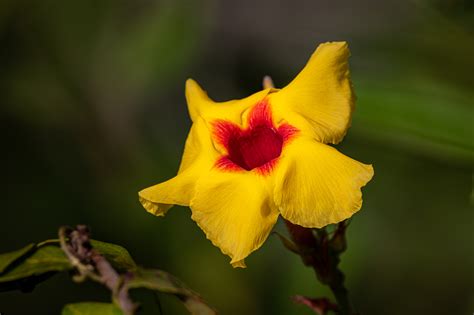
x=342, y=295
x=321, y=252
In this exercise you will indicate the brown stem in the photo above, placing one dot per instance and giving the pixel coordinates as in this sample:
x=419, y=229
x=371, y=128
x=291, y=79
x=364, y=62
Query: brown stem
x=90, y=264
x=319, y=251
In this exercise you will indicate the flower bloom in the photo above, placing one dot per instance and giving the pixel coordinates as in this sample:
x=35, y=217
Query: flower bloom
x=248, y=161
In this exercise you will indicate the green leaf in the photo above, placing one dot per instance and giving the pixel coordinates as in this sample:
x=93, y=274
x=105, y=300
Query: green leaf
x=164, y=282
x=45, y=259
x=91, y=308
x=24, y=268
x=9, y=258
x=157, y=280
x=32, y=265
x=48, y=256
x=117, y=255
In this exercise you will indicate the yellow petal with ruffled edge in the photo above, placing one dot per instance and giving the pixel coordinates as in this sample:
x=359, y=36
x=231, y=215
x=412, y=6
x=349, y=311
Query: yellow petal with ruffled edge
x=311, y=184
x=200, y=105
x=235, y=210
x=320, y=100
x=199, y=156
x=316, y=185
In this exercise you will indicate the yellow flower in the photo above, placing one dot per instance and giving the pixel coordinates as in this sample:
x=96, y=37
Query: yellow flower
x=248, y=161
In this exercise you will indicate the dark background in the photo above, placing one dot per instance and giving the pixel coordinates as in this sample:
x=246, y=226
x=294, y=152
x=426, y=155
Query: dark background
x=92, y=110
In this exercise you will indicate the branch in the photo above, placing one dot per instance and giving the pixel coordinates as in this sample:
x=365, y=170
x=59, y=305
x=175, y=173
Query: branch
x=90, y=264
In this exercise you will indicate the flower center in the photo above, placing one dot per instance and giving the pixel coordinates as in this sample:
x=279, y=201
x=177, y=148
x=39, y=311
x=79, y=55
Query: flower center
x=255, y=147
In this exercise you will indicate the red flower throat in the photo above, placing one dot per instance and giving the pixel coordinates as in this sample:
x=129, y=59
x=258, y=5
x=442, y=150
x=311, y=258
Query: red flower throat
x=256, y=147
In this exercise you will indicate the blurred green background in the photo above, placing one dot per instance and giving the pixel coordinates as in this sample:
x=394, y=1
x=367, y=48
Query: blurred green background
x=93, y=110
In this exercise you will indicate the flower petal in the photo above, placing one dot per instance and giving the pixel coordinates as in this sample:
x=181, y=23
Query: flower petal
x=235, y=210
x=158, y=199
x=316, y=185
x=199, y=156
x=200, y=105
x=320, y=100
x=199, y=150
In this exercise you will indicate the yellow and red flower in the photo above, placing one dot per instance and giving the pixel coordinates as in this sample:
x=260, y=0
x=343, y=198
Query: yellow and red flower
x=248, y=161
